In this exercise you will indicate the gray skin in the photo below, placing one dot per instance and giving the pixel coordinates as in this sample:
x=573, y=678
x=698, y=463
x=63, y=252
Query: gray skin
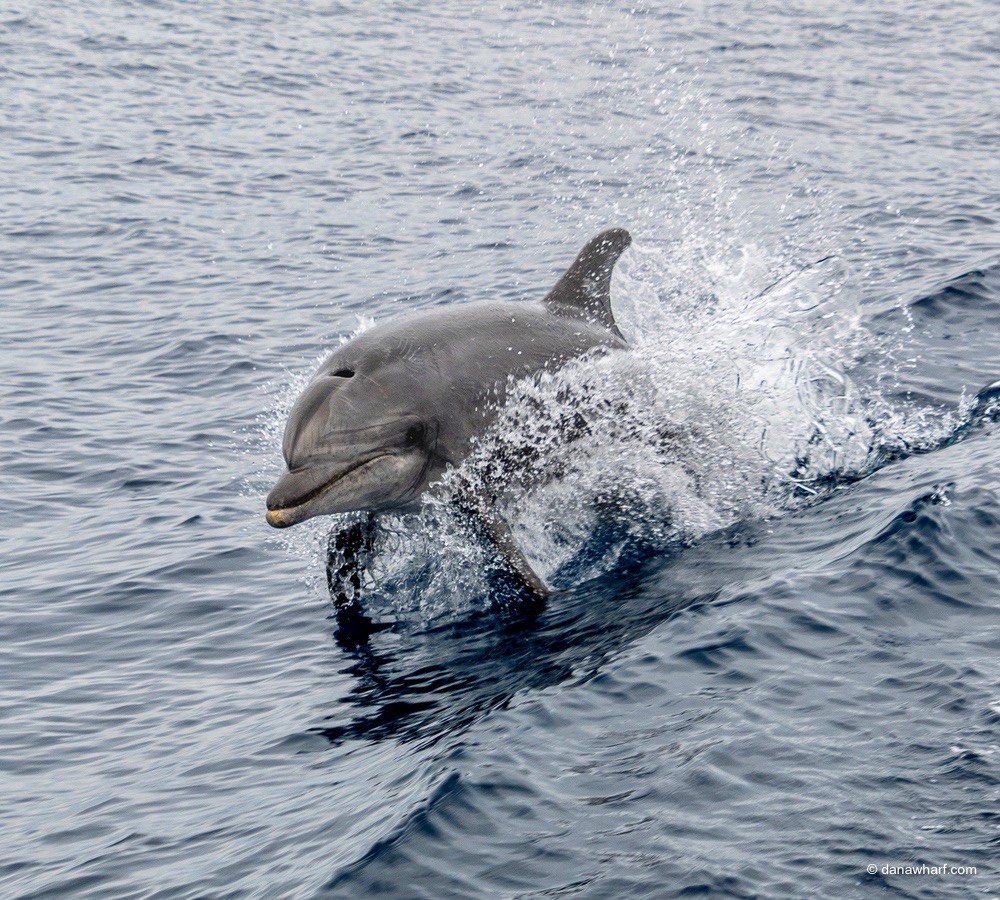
x=388, y=412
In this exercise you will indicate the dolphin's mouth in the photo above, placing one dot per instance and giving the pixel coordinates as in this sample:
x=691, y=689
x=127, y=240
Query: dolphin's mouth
x=285, y=514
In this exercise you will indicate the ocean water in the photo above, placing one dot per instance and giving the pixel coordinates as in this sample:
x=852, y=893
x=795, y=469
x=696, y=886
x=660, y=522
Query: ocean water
x=774, y=670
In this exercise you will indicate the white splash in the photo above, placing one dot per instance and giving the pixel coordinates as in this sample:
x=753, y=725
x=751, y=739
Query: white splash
x=733, y=399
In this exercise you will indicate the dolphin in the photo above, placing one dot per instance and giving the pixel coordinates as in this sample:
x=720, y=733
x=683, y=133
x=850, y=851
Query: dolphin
x=392, y=409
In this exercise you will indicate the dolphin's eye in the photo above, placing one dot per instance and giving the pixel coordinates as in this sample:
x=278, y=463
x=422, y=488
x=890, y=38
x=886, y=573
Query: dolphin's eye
x=415, y=434
x=343, y=373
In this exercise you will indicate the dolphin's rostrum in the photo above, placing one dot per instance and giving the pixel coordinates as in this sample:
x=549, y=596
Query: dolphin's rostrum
x=390, y=410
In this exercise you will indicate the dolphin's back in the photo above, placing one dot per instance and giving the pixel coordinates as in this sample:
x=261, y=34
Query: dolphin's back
x=515, y=335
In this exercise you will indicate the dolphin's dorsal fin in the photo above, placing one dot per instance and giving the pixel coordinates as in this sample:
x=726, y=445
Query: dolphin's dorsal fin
x=585, y=289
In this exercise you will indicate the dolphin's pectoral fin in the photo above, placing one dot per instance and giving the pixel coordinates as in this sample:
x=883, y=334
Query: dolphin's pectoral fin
x=492, y=526
x=347, y=554
x=585, y=290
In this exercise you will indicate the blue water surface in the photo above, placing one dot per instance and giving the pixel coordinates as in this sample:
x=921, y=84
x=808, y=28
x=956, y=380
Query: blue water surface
x=201, y=199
